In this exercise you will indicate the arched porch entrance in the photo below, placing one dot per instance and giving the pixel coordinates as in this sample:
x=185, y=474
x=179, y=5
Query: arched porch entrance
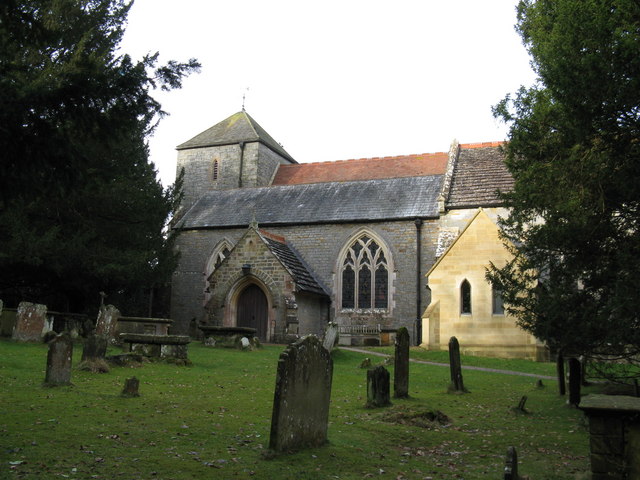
x=253, y=310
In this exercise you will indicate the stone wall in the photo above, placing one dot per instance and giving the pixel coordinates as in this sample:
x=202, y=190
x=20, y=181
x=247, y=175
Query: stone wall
x=319, y=246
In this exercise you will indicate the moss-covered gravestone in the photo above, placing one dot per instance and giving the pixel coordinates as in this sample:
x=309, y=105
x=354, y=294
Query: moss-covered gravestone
x=378, y=387
x=301, y=401
x=59, y=361
x=401, y=365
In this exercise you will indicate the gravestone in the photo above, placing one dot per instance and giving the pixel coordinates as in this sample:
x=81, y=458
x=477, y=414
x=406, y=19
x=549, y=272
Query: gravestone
x=575, y=381
x=401, y=369
x=301, y=400
x=378, y=387
x=131, y=387
x=30, y=322
x=511, y=465
x=107, y=320
x=560, y=373
x=330, y=336
x=59, y=361
x=93, y=354
x=455, y=365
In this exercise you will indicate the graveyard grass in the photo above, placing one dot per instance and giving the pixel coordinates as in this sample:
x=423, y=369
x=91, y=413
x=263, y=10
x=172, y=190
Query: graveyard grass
x=212, y=420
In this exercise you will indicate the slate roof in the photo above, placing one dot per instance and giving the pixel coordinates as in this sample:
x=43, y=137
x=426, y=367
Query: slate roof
x=239, y=127
x=363, y=169
x=334, y=202
x=296, y=267
x=479, y=172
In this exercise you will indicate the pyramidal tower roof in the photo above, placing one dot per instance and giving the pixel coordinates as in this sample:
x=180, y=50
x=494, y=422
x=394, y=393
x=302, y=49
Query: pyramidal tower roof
x=239, y=127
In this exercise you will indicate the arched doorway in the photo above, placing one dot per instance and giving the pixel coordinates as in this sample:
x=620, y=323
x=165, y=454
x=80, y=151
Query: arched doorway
x=253, y=311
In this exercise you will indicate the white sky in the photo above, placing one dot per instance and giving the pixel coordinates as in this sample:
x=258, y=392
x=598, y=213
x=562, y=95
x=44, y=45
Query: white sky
x=335, y=79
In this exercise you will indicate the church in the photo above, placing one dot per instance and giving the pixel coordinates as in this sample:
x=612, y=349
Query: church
x=371, y=244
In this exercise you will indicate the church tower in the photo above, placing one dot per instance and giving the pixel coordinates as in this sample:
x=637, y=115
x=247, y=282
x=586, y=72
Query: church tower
x=234, y=153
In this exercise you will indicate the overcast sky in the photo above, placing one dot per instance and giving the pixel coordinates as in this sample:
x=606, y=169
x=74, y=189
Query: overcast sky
x=335, y=80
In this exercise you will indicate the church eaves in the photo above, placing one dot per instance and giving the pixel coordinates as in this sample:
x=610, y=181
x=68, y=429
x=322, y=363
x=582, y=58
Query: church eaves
x=317, y=203
x=239, y=127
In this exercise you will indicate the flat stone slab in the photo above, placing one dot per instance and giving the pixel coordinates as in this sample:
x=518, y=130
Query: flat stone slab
x=149, y=339
x=614, y=403
x=217, y=330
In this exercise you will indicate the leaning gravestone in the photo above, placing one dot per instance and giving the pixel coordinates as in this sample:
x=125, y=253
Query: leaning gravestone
x=59, y=361
x=401, y=364
x=455, y=364
x=330, y=336
x=378, y=387
x=30, y=322
x=301, y=400
x=107, y=320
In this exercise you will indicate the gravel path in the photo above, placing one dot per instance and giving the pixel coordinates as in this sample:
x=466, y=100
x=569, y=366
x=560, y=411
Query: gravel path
x=436, y=364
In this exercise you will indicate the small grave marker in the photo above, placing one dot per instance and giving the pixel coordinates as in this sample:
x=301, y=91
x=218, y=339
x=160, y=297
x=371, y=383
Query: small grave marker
x=58, y=371
x=301, y=400
x=378, y=386
x=511, y=465
x=131, y=387
x=401, y=370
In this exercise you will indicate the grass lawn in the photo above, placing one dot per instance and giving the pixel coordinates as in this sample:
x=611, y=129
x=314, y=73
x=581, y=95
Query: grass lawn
x=212, y=420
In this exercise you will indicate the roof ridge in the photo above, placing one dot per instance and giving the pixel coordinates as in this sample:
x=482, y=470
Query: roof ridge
x=272, y=236
x=389, y=157
x=495, y=143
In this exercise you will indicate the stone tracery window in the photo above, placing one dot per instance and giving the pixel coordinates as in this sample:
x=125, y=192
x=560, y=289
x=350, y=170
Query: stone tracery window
x=365, y=276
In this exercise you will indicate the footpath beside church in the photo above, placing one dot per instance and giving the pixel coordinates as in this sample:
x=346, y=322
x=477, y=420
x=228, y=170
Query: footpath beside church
x=286, y=247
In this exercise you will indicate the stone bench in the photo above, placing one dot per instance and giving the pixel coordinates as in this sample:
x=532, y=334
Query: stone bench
x=221, y=336
x=158, y=346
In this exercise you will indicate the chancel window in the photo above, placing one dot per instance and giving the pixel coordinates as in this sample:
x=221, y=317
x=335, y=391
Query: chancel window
x=497, y=302
x=365, y=276
x=465, y=297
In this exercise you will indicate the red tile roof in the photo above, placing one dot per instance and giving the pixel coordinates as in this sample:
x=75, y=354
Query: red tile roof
x=363, y=169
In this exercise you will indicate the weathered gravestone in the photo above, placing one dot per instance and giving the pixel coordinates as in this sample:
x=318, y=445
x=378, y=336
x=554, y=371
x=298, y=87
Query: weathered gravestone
x=59, y=361
x=330, y=336
x=94, y=352
x=107, y=320
x=401, y=364
x=378, y=387
x=575, y=381
x=560, y=373
x=511, y=465
x=31, y=322
x=455, y=365
x=131, y=387
x=301, y=399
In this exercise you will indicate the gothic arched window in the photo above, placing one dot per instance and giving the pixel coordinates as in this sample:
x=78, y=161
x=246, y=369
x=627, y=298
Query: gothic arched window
x=465, y=297
x=365, y=276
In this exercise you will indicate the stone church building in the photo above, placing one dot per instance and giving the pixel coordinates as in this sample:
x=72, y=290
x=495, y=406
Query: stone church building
x=286, y=247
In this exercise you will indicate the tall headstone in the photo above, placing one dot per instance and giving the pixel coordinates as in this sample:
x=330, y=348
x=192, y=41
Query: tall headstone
x=378, y=387
x=30, y=322
x=511, y=465
x=401, y=364
x=301, y=400
x=59, y=361
x=560, y=373
x=330, y=336
x=455, y=365
x=575, y=381
x=107, y=319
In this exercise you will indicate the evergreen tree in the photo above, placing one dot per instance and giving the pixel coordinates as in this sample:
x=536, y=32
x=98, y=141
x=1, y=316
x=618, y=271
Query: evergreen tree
x=574, y=150
x=81, y=209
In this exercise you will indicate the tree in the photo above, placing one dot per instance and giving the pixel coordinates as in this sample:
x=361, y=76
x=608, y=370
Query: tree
x=574, y=151
x=81, y=209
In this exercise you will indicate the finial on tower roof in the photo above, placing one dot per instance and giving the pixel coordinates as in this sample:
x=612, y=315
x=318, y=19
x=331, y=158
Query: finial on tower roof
x=244, y=97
